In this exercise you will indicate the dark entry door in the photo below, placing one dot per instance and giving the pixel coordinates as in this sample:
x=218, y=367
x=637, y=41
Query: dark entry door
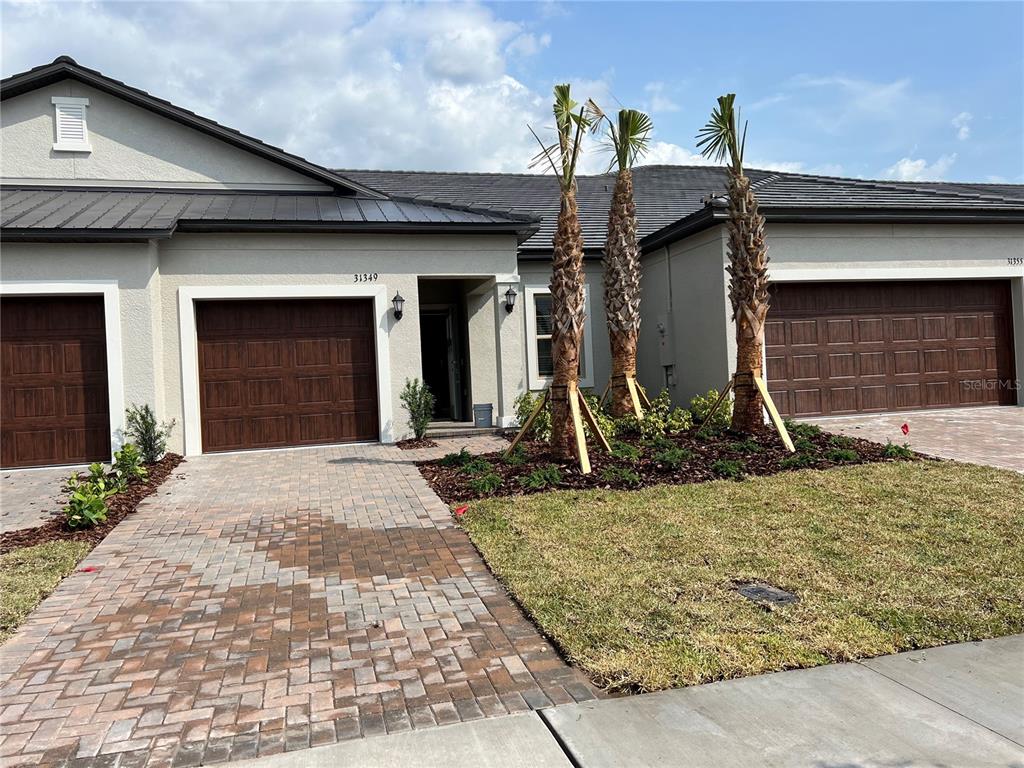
x=437, y=348
x=54, y=404
x=286, y=372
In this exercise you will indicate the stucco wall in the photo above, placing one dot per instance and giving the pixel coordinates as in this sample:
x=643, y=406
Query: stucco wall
x=319, y=260
x=130, y=145
x=537, y=273
x=134, y=267
x=684, y=289
x=697, y=285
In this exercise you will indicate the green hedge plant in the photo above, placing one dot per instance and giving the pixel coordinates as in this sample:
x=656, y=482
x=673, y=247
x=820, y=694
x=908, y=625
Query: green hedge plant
x=418, y=400
x=149, y=436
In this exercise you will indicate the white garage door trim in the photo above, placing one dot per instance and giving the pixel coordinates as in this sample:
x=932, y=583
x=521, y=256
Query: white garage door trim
x=187, y=296
x=108, y=289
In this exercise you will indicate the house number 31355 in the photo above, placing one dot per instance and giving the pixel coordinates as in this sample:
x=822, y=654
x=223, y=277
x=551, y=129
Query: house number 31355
x=364, y=277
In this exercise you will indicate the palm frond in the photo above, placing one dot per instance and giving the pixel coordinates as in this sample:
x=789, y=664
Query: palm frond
x=718, y=139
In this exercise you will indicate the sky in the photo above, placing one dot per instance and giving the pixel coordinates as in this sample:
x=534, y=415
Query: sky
x=906, y=90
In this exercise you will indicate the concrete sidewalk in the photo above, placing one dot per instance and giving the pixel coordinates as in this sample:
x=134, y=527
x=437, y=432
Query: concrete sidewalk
x=961, y=705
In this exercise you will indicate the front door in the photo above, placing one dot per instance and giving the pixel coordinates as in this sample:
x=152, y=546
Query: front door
x=438, y=345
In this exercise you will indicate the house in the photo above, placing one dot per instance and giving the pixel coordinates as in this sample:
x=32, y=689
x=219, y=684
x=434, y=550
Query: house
x=151, y=255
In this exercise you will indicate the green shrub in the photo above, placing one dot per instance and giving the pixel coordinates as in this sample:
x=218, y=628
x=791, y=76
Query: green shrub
x=893, y=451
x=659, y=443
x=459, y=459
x=150, y=437
x=485, y=484
x=604, y=421
x=673, y=457
x=621, y=476
x=658, y=420
x=477, y=466
x=841, y=441
x=97, y=472
x=797, y=461
x=516, y=457
x=701, y=405
x=842, y=455
x=729, y=468
x=542, y=477
x=541, y=427
x=803, y=445
x=128, y=465
x=626, y=452
x=746, y=445
x=87, y=503
x=418, y=400
x=800, y=429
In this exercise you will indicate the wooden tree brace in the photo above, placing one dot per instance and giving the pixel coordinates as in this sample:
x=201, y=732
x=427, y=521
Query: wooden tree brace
x=636, y=394
x=575, y=396
x=529, y=422
x=715, y=407
x=773, y=413
x=592, y=421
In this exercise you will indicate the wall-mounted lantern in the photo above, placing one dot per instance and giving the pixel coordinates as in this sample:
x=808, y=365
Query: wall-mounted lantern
x=510, y=299
x=399, y=304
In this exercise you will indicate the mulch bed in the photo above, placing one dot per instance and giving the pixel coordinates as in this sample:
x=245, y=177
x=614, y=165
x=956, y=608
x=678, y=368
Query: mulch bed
x=119, y=506
x=412, y=443
x=765, y=457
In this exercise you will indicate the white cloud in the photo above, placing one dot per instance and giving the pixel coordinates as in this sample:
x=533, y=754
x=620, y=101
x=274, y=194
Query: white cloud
x=908, y=169
x=768, y=101
x=659, y=100
x=962, y=123
x=345, y=85
x=528, y=44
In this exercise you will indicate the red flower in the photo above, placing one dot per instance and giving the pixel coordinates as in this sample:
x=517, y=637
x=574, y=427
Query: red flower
x=905, y=428
x=460, y=511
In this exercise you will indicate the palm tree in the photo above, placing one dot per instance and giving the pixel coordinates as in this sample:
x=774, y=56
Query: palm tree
x=748, y=262
x=572, y=121
x=627, y=138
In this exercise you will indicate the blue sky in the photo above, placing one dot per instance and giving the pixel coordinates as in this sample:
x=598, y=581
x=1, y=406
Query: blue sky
x=908, y=90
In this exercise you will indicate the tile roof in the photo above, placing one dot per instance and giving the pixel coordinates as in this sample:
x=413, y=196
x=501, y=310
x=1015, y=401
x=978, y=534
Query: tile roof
x=151, y=213
x=667, y=194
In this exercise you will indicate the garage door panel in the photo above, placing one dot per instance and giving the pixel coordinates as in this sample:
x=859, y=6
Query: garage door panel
x=221, y=356
x=914, y=345
x=870, y=330
x=774, y=333
x=307, y=373
x=54, y=406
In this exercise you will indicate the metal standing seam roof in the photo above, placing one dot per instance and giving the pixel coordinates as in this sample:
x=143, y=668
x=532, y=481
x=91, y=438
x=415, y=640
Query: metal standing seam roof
x=150, y=213
x=667, y=195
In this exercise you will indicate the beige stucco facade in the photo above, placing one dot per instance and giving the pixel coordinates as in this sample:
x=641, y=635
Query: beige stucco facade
x=686, y=286
x=152, y=278
x=130, y=146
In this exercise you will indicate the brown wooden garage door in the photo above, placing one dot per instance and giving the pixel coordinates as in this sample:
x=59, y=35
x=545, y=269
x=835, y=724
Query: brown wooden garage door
x=835, y=348
x=286, y=372
x=54, y=405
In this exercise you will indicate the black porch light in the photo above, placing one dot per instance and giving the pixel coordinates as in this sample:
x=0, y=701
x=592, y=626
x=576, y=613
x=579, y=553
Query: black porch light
x=510, y=299
x=399, y=304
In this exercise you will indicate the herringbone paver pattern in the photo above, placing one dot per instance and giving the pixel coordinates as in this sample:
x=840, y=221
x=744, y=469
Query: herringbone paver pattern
x=272, y=601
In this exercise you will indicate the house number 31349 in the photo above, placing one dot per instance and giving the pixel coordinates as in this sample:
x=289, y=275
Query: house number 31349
x=364, y=277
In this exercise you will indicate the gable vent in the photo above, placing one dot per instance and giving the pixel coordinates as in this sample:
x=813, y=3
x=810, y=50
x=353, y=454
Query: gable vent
x=71, y=131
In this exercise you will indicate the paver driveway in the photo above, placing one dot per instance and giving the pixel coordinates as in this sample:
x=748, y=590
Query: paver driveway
x=30, y=497
x=271, y=601
x=987, y=435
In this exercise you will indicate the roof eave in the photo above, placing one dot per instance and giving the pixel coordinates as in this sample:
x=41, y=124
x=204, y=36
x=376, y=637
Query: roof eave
x=712, y=215
x=23, y=82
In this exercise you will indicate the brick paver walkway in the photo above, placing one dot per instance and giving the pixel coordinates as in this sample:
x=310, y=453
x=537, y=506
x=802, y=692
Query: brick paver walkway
x=987, y=435
x=272, y=601
x=30, y=497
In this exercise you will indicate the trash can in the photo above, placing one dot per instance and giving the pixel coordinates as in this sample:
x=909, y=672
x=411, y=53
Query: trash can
x=482, y=415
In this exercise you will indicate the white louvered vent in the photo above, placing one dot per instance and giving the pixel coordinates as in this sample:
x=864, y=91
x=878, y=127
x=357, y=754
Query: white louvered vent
x=72, y=133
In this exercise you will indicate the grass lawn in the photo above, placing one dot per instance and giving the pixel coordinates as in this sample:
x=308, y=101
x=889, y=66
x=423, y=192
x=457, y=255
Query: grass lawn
x=638, y=587
x=29, y=574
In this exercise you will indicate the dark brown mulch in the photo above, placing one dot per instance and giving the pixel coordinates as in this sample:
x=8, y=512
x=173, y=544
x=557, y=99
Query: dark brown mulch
x=119, y=506
x=453, y=485
x=414, y=442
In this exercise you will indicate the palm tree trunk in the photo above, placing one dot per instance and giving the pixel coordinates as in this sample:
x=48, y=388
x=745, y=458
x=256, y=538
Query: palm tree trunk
x=748, y=292
x=622, y=290
x=567, y=308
